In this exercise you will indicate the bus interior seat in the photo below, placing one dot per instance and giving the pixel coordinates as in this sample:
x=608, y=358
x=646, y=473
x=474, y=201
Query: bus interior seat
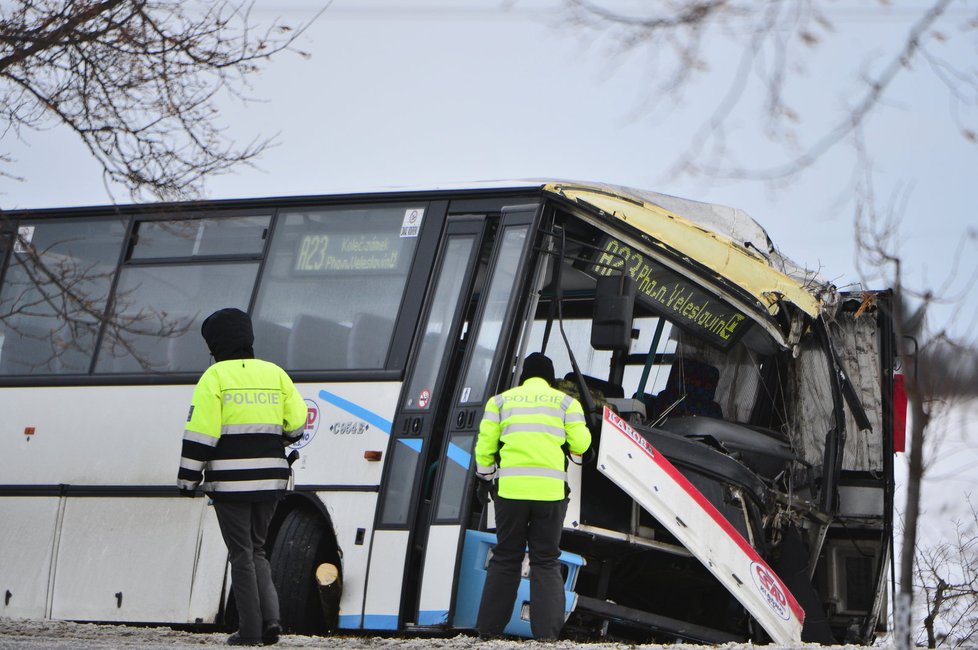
x=28, y=353
x=187, y=352
x=606, y=388
x=369, y=341
x=317, y=344
x=695, y=380
x=271, y=341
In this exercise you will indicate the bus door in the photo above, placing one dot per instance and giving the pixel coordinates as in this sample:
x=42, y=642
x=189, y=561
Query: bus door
x=417, y=535
x=482, y=363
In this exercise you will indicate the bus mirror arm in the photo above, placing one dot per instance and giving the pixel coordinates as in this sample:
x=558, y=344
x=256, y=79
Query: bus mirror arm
x=292, y=457
x=591, y=412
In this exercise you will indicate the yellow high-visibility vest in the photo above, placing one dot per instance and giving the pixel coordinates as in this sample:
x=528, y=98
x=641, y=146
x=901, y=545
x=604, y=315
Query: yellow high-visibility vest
x=527, y=428
x=243, y=414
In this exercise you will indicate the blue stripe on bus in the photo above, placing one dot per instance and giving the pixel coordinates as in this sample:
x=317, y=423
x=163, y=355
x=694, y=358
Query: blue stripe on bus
x=459, y=455
x=455, y=453
x=349, y=621
x=354, y=409
x=379, y=621
x=433, y=617
x=413, y=443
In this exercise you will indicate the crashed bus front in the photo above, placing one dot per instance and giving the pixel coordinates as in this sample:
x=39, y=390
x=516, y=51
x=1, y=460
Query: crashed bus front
x=741, y=486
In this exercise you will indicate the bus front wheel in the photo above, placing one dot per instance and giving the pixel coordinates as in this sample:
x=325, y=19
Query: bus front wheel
x=302, y=544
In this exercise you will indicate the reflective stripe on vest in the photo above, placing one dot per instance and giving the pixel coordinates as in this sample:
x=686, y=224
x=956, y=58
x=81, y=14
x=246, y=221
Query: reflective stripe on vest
x=202, y=438
x=533, y=427
x=295, y=434
x=191, y=464
x=246, y=486
x=543, y=472
x=247, y=429
x=247, y=464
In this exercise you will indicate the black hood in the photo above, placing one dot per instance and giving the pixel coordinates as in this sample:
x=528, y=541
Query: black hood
x=229, y=335
x=538, y=365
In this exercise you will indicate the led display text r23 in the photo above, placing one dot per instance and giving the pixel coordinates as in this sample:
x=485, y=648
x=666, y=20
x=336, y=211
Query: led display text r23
x=671, y=295
x=362, y=252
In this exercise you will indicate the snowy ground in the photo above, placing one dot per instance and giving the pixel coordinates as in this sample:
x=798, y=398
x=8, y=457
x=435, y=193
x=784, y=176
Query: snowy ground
x=60, y=635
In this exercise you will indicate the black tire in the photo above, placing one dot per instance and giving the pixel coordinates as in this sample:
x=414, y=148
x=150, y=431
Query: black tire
x=302, y=544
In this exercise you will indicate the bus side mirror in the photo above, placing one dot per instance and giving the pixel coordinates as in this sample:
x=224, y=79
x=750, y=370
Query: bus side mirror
x=611, y=320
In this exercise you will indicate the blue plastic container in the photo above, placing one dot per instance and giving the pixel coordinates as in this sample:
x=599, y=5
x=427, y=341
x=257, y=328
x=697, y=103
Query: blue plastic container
x=472, y=578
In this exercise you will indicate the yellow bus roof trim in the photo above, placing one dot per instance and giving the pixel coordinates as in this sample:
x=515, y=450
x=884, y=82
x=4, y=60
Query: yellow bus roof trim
x=706, y=247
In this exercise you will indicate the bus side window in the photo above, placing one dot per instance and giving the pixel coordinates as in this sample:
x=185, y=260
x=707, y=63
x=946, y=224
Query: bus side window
x=45, y=331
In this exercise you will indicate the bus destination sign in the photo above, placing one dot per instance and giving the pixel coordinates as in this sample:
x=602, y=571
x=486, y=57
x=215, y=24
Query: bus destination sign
x=673, y=296
x=354, y=252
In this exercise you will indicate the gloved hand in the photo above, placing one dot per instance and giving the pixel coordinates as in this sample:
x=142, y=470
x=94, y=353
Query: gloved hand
x=483, y=489
x=186, y=492
x=483, y=492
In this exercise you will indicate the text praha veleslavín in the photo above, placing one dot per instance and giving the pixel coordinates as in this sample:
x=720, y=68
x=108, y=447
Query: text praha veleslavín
x=671, y=295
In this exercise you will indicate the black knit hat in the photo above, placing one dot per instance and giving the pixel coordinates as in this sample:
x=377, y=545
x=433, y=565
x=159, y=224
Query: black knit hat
x=538, y=365
x=228, y=334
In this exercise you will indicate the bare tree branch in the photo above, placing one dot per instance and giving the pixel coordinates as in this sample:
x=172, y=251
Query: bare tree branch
x=947, y=574
x=137, y=81
x=777, y=38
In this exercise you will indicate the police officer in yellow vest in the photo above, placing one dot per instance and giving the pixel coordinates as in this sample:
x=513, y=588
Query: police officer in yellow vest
x=522, y=438
x=244, y=413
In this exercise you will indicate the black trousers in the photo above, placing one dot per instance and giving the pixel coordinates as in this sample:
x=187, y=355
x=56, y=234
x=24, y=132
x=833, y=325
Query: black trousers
x=244, y=526
x=520, y=523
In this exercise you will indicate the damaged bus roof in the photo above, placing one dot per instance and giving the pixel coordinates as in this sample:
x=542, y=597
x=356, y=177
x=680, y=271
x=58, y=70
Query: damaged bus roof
x=721, y=239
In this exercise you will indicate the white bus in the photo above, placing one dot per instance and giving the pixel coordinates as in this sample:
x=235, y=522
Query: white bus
x=740, y=484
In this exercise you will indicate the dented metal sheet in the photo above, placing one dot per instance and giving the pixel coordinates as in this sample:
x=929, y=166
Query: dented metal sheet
x=714, y=250
x=639, y=469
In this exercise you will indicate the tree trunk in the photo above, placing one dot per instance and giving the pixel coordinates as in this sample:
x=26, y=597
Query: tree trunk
x=934, y=612
x=919, y=421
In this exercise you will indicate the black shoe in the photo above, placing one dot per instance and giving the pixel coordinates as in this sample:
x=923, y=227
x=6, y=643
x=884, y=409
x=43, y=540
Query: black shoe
x=271, y=633
x=237, y=639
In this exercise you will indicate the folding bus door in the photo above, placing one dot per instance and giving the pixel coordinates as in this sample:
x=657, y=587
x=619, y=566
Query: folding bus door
x=483, y=361
x=419, y=521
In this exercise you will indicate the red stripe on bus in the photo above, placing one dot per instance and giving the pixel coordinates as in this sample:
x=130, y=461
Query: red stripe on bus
x=710, y=509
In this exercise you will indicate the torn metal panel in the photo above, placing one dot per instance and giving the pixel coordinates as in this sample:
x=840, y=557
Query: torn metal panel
x=636, y=467
x=810, y=413
x=856, y=342
x=858, y=349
